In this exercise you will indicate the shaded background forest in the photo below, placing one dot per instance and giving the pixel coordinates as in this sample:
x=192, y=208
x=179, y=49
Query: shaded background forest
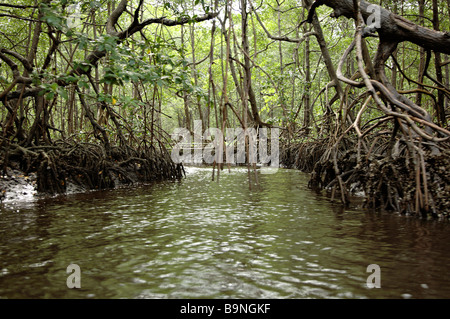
x=99, y=86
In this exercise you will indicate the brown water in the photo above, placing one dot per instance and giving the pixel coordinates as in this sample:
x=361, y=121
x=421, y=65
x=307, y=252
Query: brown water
x=202, y=239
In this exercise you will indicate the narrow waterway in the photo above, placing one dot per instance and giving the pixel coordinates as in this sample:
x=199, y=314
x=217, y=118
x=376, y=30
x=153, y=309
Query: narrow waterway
x=199, y=238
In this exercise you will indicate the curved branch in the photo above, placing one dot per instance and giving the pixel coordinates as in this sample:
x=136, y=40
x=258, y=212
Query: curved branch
x=282, y=38
x=93, y=58
x=114, y=17
x=19, y=57
x=392, y=27
x=15, y=70
x=136, y=27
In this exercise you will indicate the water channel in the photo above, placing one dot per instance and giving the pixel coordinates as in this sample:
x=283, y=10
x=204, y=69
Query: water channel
x=199, y=238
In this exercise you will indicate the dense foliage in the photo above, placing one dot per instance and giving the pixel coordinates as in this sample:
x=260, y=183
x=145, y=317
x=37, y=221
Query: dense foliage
x=166, y=74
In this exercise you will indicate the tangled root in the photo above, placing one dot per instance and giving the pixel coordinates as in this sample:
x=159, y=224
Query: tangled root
x=90, y=166
x=409, y=182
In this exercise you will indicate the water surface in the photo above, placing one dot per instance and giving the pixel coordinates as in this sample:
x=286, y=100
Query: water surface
x=199, y=238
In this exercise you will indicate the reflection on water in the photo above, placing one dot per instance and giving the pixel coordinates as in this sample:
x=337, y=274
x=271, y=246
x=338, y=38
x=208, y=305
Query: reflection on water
x=201, y=239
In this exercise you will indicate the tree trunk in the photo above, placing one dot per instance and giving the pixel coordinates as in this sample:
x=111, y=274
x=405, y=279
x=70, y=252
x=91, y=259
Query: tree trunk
x=422, y=56
x=325, y=53
x=194, y=72
x=307, y=97
x=440, y=111
x=247, y=66
x=186, y=98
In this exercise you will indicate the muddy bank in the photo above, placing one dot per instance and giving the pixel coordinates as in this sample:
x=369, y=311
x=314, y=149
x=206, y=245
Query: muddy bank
x=64, y=168
x=16, y=186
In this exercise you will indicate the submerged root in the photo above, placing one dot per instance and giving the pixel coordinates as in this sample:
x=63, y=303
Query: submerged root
x=408, y=180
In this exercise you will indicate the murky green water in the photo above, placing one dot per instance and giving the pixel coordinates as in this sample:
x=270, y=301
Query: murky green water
x=202, y=239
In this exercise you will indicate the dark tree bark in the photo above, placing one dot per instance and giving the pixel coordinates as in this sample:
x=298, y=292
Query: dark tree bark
x=422, y=57
x=393, y=28
x=247, y=67
x=307, y=97
x=440, y=111
x=325, y=53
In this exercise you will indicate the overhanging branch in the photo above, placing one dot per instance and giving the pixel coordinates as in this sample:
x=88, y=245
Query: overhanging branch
x=93, y=58
x=391, y=26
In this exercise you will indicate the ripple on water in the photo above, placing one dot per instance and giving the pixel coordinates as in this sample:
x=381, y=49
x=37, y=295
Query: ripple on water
x=202, y=239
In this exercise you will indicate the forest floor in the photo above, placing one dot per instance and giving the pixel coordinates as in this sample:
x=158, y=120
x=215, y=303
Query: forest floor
x=16, y=186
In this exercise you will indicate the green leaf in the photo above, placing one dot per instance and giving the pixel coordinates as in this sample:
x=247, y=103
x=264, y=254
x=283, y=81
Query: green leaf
x=50, y=95
x=71, y=79
x=82, y=84
x=63, y=93
x=54, y=87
